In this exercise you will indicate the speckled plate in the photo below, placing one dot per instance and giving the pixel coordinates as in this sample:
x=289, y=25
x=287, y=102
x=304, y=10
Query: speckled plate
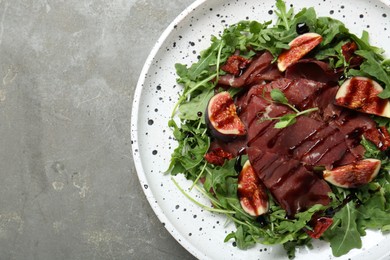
x=200, y=232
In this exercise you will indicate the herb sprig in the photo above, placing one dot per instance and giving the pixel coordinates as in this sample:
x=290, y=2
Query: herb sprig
x=288, y=119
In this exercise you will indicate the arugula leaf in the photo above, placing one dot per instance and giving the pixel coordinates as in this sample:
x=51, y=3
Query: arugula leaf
x=373, y=214
x=371, y=151
x=343, y=235
x=284, y=15
x=202, y=66
x=190, y=110
x=193, y=145
x=364, y=44
x=223, y=181
x=329, y=28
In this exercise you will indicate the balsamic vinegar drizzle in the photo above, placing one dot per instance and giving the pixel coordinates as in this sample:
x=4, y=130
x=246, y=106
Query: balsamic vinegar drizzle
x=238, y=164
x=330, y=212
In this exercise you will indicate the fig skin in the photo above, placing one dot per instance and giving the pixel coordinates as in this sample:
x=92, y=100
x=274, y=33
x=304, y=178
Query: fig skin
x=361, y=94
x=353, y=175
x=251, y=192
x=222, y=119
x=299, y=47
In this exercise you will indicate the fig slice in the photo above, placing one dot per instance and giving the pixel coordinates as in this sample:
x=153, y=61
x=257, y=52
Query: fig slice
x=251, y=192
x=222, y=119
x=361, y=94
x=299, y=47
x=353, y=175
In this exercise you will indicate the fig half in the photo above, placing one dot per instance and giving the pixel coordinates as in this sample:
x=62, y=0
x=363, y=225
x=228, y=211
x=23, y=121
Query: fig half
x=251, y=192
x=299, y=47
x=353, y=175
x=222, y=119
x=361, y=94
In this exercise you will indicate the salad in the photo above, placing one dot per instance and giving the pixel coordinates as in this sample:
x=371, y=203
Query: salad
x=284, y=127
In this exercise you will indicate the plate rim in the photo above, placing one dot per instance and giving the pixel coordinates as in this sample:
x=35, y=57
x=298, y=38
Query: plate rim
x=180, y=239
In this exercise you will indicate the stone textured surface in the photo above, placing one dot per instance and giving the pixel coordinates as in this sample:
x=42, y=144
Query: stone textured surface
x=68, y=186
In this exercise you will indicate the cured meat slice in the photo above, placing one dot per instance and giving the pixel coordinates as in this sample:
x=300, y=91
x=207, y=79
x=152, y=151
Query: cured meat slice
x=308, y=140
x=304, y=94
x=300, y=93
x=351, y=123
x=313, y=69
x=290, y=183
x=261, y=68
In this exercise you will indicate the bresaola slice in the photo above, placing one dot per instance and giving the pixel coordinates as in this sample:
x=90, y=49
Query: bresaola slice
x=261, y=68
x=290, y=183
x=312, y=69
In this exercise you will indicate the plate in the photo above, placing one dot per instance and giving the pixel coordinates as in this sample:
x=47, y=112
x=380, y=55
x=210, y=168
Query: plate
x=201, y=232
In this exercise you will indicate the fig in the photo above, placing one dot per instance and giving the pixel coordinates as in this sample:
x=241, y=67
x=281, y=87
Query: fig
x=299, y=47
x=361, y=94
x=353, y=175
x=251, y=192
x=222, y=119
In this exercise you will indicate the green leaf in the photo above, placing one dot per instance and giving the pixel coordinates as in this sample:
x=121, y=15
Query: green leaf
x=255, y=27
x=371, y=150
x=374, y=213
x=192, y=146
x=286, y=120
x=278, y=96
x=202, y=66
x=343, y=235
x=283, y=15
x=222, y=180
x=329, y=28
x=181, y=70
x=364, y=44
x=190, y=110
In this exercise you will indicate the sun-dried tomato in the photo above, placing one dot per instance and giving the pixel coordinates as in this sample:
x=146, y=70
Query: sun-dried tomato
x=235, y=64
x=320, y=225
x=348, y=50
x=380, y=137
x=217, y=156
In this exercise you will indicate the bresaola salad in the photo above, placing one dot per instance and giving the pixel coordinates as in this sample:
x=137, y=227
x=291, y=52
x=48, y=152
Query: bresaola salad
x=285, y=128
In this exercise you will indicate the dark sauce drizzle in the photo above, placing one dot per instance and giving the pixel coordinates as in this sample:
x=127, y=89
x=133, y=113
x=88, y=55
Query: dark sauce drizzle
x=238, y=164
x=330, y=212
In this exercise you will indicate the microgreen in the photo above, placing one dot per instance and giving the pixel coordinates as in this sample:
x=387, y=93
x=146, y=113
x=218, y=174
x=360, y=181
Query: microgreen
x=277, y=96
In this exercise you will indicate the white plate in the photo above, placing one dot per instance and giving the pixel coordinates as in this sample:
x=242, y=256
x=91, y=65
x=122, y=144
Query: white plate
x=200, y=232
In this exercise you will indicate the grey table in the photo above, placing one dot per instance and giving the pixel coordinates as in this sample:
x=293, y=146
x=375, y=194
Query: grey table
x=68, y=188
